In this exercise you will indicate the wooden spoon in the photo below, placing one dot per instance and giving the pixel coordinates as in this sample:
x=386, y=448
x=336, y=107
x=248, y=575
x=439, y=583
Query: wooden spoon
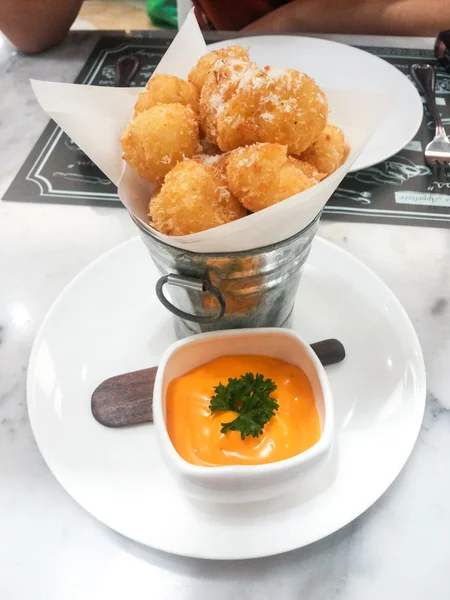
x=126, y=400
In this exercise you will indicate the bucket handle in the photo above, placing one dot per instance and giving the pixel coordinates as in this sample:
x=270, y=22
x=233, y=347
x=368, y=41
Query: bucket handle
x=191, y=283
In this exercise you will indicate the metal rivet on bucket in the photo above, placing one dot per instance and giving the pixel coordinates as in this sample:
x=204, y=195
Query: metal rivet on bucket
x=191, y=283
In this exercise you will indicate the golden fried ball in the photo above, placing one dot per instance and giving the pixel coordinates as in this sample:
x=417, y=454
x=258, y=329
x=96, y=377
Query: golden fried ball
x=273, y=105
x=329, y=152
x=262, y=175
x=213, y=59
x=209, y=148
x=219, y=87
x=167, y=89
x=217, y=161
x=160, y=137
x=193, y=198
x=308, y=169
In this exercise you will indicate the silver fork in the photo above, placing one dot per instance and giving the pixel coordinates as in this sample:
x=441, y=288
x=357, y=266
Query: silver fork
x=438, y=150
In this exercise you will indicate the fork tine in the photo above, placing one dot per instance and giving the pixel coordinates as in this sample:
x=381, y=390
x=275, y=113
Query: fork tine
x=434, y=166
x=442, y=171
x=437, y=152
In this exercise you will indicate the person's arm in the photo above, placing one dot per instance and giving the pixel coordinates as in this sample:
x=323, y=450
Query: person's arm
x=35, y=25
x=377, y=17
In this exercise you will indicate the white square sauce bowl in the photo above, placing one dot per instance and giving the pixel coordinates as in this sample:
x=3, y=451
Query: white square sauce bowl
x=244, y=483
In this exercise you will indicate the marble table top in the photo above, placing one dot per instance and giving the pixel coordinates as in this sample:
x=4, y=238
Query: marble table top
x=50, y=549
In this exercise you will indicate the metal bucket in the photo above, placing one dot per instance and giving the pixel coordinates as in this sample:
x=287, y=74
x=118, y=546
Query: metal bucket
x=255, y=288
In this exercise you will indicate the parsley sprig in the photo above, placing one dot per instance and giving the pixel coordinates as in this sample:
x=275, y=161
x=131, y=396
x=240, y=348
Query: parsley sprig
x=249, y=396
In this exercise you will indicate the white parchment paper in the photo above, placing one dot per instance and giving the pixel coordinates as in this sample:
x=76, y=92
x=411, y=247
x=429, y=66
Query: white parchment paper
x=94, y=117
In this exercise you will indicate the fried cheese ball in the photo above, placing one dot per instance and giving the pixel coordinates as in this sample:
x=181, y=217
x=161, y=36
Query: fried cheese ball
x=262, y=175
x=193, y=198
x=209, y=148
x=167, y=89
x=273, y=105
x=329, y=152
x=218, y=161
x=219, y=87
x=309, y=170
x=159, y=138
x=213, y=59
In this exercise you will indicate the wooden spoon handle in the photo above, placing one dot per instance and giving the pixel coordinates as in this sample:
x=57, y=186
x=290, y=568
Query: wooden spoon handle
x=126, y=400
x=329, y=352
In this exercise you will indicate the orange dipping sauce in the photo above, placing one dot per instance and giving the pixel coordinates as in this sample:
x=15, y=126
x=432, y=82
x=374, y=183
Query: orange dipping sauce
x=195, y=432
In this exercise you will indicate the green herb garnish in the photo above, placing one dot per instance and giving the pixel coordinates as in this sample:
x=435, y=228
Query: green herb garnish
x=249, y=396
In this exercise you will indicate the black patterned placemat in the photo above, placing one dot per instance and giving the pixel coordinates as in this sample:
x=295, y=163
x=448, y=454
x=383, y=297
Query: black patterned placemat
x=401, y=189
x=56, y=170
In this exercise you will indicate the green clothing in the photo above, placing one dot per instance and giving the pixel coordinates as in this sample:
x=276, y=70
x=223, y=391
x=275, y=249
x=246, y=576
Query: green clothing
x=163, y=13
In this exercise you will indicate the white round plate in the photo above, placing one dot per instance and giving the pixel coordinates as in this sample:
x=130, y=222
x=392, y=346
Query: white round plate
x=336, y=65
x=109, y=321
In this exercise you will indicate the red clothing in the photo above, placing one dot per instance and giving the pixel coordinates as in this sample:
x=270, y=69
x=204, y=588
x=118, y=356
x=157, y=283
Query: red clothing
x=232, y=15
